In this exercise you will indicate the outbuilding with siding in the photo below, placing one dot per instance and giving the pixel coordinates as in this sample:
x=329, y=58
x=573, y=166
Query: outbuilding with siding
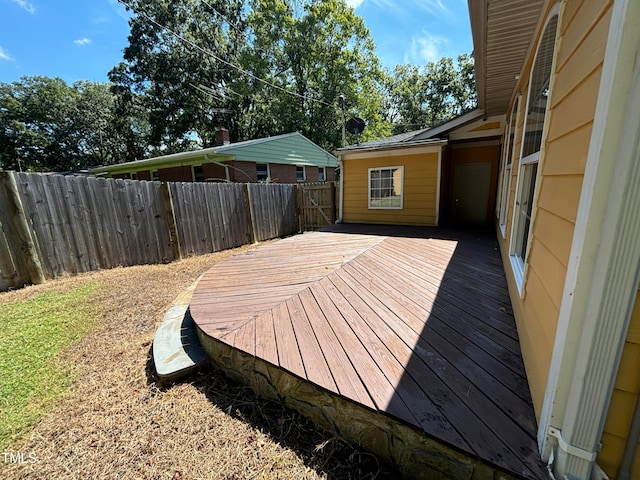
x=435, y=176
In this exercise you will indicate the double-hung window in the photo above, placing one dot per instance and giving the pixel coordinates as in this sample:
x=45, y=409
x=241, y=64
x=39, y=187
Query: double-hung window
x=506, y=167
x=300, y=173
x=385, y=188
x=262, y=172
x=537, y=105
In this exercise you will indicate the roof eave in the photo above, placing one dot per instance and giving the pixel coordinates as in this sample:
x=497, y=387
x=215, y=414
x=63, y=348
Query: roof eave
x=175, y=159
x=394, y=146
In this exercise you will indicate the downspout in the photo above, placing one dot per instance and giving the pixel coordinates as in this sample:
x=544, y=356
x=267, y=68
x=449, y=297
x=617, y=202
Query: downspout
x=223, y=165
x=341, y=193
x=629, y=455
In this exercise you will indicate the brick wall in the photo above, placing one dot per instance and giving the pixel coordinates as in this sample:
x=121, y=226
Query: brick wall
x=144, y=175
x=282, y=173
x=214, y=173
x=243, y=172
x=175, y=174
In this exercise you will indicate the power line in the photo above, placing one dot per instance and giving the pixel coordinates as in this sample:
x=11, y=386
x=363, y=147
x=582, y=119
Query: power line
x=222, y=17
x=210, y=53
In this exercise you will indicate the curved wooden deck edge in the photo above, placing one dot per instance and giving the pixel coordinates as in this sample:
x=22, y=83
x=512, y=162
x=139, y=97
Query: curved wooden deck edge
x=411, y=452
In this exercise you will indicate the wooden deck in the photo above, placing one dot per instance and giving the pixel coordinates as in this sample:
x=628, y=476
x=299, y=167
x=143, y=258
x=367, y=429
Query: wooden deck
x=411, y=323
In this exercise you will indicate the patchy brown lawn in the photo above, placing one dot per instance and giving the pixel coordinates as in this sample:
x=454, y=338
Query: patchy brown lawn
x=117, y=423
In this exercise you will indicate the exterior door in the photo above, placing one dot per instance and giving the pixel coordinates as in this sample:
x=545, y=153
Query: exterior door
x=471, y=193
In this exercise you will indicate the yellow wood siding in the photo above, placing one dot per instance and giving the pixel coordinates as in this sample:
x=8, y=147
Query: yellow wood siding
x=579, y=53
x=623, y=402
x=420, y=190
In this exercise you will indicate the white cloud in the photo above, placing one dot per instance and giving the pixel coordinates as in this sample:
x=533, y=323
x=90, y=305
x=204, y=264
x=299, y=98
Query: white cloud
x=354, y=3
x=26, y=5
x=433, y=6
x=4, y=55
x=424, y=49
x=82, y=41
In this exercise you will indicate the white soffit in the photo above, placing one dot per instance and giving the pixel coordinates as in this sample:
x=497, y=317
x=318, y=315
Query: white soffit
x=503, y=31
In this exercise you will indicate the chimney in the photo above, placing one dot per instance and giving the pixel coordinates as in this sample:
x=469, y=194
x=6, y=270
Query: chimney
x=222, y=137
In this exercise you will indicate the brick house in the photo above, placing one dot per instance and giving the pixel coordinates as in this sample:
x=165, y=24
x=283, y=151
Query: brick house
x=288, y=158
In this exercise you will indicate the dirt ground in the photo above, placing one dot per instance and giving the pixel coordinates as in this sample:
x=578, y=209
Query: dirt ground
x=116, y=422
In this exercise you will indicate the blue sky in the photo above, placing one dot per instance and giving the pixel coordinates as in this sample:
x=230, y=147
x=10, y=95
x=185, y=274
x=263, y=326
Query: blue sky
x=83, y=40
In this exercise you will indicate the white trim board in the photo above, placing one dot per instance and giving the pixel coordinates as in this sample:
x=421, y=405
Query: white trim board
x=603, y=272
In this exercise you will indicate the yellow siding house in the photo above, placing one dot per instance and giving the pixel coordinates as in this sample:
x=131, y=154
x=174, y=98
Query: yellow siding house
x=568, y=216
x=556, y=140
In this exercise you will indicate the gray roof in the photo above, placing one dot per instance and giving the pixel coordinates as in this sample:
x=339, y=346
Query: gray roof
x=424, y=136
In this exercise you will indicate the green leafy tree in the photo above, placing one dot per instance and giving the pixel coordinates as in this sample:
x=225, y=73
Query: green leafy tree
x=260, y=68
x=313, y=51
x=179, y=57
x=423, y=97
x=47, y=125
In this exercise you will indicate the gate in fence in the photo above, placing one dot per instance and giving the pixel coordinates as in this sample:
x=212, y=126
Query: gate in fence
x=317, y=204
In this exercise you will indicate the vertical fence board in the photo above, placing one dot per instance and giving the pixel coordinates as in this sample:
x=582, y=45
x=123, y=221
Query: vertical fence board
x=33, y=201
x=20, y=262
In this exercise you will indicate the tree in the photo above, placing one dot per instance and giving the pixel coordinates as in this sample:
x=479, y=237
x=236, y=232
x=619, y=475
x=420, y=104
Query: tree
x=420, y=98
x=179, y=58
x=47, y=125
x=268, y=67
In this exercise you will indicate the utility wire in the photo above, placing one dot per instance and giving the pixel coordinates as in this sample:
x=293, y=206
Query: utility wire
x=222, y=17
x=208, y=52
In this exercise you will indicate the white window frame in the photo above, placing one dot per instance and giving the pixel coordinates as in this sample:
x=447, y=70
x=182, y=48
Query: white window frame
x=369, y=198
x=323, y=177
x=526, y=166
x=268, y=172
x=155, y=177
x=507, y=162
x=304, y=173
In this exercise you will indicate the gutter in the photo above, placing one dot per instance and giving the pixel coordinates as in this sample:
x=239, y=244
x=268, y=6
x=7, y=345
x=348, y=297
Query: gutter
x=176, y=160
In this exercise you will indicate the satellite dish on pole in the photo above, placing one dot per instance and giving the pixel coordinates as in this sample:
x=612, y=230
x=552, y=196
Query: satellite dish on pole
x=356, y=126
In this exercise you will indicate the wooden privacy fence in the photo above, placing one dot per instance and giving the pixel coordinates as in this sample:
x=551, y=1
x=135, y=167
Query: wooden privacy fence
x=317, y=203
x=51, y=224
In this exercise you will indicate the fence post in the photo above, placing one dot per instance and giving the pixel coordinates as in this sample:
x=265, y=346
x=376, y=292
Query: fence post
x=170, y=217
x=15, y=212
x=299, y=203
x=247, y=207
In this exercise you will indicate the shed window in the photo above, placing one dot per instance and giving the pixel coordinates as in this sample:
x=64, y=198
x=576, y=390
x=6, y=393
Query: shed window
x=385, y=187
x=322, y=174
x=300, y=173
x=154, y=176
x=262, y=171
x=537, y=105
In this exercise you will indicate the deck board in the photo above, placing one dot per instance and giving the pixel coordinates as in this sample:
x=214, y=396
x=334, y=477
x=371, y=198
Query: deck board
x=412, y=323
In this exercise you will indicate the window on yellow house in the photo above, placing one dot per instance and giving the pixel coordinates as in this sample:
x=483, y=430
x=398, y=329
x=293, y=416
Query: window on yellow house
x=385, y=187
x=537, y=105
x=506, y=166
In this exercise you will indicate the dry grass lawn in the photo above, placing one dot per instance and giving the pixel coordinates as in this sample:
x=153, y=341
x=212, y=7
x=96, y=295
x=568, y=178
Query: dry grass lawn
x=116, y=422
